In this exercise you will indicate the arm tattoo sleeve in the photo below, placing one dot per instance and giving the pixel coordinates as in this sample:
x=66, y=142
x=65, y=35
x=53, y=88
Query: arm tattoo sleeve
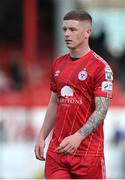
x=97, y=117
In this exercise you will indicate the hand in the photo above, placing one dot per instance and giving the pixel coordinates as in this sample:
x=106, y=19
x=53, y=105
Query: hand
x=39, y=149
x=70, y=144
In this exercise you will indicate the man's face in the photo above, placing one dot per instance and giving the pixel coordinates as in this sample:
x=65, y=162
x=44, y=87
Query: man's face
x=76, y=33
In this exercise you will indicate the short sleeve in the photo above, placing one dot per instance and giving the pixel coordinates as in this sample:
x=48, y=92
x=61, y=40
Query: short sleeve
x=52, y=79
x=103, y=81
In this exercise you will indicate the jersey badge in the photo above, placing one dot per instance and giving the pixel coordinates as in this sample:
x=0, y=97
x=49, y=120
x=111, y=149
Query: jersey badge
x=108, y=74
x=107, y=86
x=82, y=75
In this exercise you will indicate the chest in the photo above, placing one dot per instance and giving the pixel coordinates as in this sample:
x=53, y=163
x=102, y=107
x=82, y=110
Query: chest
x=77, y=75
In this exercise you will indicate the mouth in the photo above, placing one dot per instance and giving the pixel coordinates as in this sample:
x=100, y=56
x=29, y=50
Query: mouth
x=68, y=41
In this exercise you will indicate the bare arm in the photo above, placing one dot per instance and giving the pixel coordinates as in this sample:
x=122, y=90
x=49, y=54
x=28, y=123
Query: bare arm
x=47, y=126
x=49, y=120
x=102, y=104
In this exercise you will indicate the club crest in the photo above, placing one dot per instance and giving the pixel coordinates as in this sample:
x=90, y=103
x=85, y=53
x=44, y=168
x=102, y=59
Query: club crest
x=82, y=75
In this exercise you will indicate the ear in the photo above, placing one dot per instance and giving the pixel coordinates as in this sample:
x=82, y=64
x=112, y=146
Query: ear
x=88, y=33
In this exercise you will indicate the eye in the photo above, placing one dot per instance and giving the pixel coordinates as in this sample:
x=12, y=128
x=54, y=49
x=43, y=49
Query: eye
x=73, y=29
x=64, y=29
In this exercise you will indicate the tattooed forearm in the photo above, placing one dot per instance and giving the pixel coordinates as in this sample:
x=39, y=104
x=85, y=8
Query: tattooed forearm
x=97, y=117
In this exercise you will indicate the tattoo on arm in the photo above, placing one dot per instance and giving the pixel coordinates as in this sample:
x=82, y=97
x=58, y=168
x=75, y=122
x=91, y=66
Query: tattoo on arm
x=97, y=117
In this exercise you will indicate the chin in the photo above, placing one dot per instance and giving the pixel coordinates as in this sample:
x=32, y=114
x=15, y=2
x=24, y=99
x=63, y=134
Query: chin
x=70, y=47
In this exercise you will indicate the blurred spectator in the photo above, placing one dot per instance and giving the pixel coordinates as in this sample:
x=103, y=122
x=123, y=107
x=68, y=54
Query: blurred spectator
x=4, y=82
x=119, y=140
x=98, y=45
x=15, y=71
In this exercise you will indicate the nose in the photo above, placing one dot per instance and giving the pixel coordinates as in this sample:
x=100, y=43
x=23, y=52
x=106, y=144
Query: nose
x=67, y=33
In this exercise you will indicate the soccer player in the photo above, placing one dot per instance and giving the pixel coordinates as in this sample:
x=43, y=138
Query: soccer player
x=81, y=85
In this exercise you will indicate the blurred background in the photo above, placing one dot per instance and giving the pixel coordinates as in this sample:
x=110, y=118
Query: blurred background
x=30, y=38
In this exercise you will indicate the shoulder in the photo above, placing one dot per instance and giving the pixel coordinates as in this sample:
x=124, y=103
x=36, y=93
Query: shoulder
x=60, y=58
x=59, y=61
x=100, y=62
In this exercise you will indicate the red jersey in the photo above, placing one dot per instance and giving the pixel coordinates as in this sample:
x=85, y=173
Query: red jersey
x=77, y=83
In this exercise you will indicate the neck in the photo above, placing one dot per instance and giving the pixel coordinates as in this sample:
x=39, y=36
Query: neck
x=79, y=52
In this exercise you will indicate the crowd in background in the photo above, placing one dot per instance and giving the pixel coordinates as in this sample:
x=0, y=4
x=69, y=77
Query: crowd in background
x=14, y=77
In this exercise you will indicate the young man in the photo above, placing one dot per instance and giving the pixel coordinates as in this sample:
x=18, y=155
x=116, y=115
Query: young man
x=81, y=84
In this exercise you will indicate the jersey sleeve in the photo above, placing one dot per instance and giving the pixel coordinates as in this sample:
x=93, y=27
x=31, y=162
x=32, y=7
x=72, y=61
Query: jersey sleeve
x=52, y=79
x=103, y=81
